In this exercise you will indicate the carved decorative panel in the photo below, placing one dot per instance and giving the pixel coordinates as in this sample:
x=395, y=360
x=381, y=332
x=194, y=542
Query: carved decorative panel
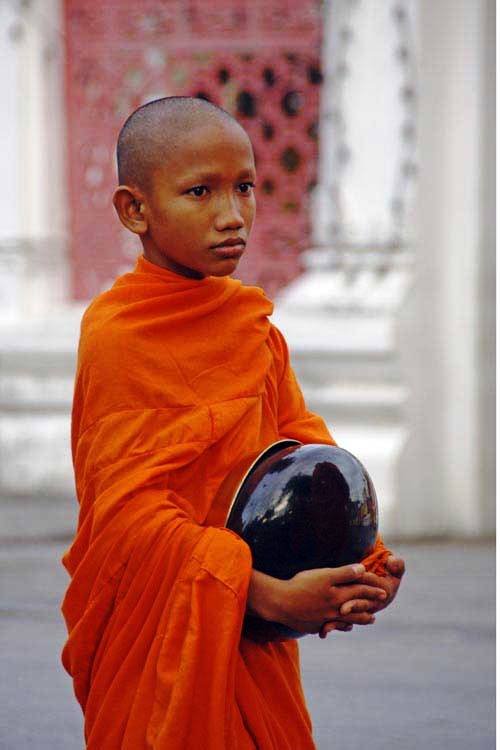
x=259, y=59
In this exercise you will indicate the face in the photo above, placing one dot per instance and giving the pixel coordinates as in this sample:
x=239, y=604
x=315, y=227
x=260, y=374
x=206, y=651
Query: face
x=201, y=204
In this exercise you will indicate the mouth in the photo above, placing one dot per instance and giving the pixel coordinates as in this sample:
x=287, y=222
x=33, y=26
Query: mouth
x=226, y=253
x=230, y=248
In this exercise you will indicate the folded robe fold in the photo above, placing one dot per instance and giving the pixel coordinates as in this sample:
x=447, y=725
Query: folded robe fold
x=177, y=379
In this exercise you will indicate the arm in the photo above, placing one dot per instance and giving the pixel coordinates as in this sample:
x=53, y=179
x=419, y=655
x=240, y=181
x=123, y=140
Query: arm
x=296, y=421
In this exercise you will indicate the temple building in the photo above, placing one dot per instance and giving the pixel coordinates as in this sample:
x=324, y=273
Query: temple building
x=373, y=129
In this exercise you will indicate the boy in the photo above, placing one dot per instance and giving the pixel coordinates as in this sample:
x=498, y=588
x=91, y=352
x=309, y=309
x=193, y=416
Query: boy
x=180, y=374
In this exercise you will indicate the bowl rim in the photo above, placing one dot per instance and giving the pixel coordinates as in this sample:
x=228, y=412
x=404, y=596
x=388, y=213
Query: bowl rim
x=263, y=455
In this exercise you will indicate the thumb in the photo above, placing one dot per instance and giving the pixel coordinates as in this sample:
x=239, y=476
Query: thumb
x=395, y=566
x=346, y=573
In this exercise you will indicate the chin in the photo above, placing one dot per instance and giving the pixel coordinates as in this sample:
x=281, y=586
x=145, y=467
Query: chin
x=224, y=269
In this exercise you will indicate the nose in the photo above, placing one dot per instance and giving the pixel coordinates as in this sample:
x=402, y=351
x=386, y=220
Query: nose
x=228, y=214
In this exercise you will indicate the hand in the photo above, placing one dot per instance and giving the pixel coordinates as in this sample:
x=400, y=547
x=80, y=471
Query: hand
x=357, y=612
x=390, y=582
x=312, y=597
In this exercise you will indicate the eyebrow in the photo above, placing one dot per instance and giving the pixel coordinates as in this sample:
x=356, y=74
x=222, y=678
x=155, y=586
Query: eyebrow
x=212, y=176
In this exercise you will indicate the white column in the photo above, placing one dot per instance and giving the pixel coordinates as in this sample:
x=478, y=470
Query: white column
x=38, y=329
x=447, y=335
x=10, y=147
x=43, y=117
x=33, y=230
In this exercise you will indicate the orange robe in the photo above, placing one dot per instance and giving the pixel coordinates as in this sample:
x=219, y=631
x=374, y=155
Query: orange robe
x=177, y=379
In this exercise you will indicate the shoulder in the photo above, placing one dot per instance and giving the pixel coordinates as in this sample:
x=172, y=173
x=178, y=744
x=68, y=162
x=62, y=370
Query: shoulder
x=108, y=332
x=110, y=312
x=99, y=321
x=250, y=303
x=279, y=351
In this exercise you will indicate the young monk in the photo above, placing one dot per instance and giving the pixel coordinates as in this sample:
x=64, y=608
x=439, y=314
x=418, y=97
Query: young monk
x=180, y=374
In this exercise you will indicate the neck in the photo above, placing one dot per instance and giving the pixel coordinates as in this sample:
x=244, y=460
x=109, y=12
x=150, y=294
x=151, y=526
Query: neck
x=153, y=255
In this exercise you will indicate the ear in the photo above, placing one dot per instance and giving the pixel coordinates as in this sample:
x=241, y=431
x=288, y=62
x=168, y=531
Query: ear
x=129, y=205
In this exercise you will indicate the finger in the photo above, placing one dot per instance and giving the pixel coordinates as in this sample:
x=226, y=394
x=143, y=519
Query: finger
x=359, y=618
x=346, y=574
x=342, y=627
x=370, y=579
x=325, y=629
x=357, y=605
x=363, y=592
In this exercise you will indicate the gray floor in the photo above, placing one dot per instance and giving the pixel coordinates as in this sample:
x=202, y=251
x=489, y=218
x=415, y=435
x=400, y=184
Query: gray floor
x=424, y=675
x=421, y=677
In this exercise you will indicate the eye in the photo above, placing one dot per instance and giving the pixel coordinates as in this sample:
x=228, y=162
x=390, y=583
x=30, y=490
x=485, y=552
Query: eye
x=198, y=190
x=246, y=187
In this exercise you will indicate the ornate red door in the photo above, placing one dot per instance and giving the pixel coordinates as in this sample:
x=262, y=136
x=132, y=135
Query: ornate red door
x=256, y=58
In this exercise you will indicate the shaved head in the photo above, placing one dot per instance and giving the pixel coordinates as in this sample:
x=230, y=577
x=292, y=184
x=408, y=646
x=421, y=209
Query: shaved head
x=156, y=128
x=187, y=177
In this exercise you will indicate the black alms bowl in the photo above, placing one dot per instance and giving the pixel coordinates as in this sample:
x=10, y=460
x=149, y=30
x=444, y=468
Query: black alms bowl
x=300, y=507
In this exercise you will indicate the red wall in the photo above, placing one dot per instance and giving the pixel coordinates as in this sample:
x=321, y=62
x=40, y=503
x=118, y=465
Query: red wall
x=256, y=58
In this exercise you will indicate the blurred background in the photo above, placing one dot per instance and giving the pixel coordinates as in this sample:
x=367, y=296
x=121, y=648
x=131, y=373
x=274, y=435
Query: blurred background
x=373, y=125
